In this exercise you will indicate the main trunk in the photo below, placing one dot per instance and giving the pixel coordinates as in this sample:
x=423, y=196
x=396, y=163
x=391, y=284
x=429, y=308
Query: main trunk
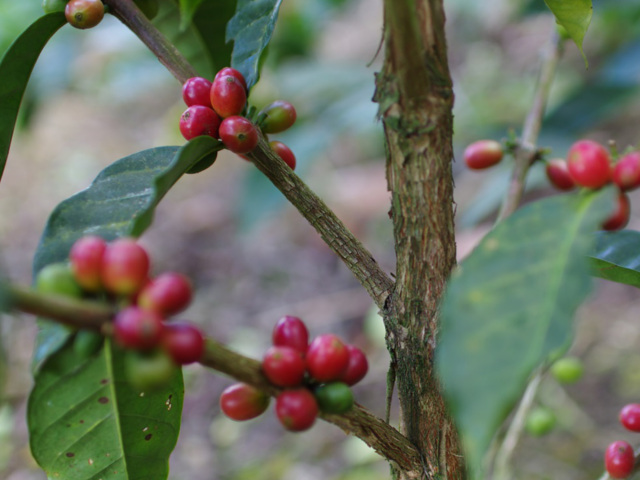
x=415, y=94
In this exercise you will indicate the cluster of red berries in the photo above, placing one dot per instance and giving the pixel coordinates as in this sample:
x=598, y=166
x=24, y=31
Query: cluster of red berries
x=588, y=164
x=216, y=109
x=315, y=376
x=619, y=458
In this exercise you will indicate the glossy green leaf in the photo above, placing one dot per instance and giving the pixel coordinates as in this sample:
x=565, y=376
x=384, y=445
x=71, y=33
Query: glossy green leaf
x=574, y=16
x=617, y=257
x=210, y=21
x=509, y=307
x=187, y=9
x=87, y=423
x=251, y=29
x=120, y=202
x=15, y=69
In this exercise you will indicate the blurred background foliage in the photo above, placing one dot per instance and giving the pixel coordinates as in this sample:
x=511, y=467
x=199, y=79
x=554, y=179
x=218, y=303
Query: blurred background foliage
x=98, y=95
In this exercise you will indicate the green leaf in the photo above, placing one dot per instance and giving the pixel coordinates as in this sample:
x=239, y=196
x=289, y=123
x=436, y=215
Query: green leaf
x=210, y=21
x=15, y=69
x=251, y=29
x=187, y=9
x=616, y=257
x=509, y=307
x=86, y=422
x=120, y=202
x=575, y=17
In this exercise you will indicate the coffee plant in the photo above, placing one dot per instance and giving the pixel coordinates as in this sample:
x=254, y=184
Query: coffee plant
x=469, y=344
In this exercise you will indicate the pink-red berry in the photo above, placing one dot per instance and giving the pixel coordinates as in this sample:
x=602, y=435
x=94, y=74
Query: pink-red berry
x=558, y=174
x=620, y=216
x=234, y=73
x=284, y=366
x=296, y=409
x=125, y=267
x=327, y=358
x=483, y=154
x=197, y=91
x=238, y=134
x=619, y=459
x=228, y=96
x=589, y=164
x=243, y=402
x=291, y=332
x=138, y=329
x=630, y=417
x=357, y=367
x=284, y=153
x=84, y=13
x=278, y=117
x=168, y=294
x=626, y=173
x=183, y=342
x=86, y=262
x=199, y=120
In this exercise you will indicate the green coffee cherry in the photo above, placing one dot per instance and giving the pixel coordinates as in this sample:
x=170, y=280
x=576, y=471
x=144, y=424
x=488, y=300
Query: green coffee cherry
x=148, y=371
x=567, y=370
x=540, y=421
x=58, y=279
x=51, y=6
x=334, y=397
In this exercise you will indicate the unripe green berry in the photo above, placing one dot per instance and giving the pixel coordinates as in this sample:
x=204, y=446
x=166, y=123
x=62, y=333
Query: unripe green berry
x=51, y=6
x=567, y=370
x=334, y=397
x=151, y=370
x=540, y=421
x=57, y=278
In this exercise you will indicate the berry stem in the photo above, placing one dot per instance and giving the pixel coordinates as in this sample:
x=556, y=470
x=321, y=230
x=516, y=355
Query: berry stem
x=527, y=151
x=129, y=14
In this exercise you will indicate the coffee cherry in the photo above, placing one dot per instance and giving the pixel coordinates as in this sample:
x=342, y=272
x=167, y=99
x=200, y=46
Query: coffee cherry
x=167, y=294
x=589, y=164
x=567, y=370
x=125, y=267
x=199, y=120
x=619, y=459
x=51, y=6
x=279, y=116
x=296, y=409
x=234, y=73
x=284, y=366
x=243, y=402
x=558, y=174
x=327, y=358
x=149, y=370
x=284, y=153
x=540, y=421
x=483, y=154
x=183, y=342
x=334, y=397
x=238, y=134
x=58, y=279
x=138, y=329
x=291, y=332
x=86, y=261
x=356, y=368
x=196, y=91
x=630, y=417
x=620, y=217
x=228, y=96
x=626, y=173
x=84, y=13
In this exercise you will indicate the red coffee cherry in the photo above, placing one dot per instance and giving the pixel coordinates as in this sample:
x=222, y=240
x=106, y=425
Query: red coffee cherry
x=196, y=91
x=284, y=366
x=296, y=409
x=167, y=294
x=589, y=164
x=630, y=417
x=558, y=174
x=138, y=329
x=199, y=120
x=619, y=459
x=86, y=261
x=291, y=332
x=357, y=367
x=280, y=115
x=238, y=134
x=284, y=153
x=483, y=154
x=234, y=73
x=327, y=358
x=84, y=13
x=243, y=402
x=620, y=217
x=183, y=342
x=125, y=267
x=626, y=173
x=228, y=96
